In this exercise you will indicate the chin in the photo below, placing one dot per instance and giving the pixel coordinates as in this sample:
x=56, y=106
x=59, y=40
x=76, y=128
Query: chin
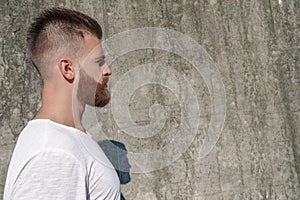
x=101, y=103
x=102, y=99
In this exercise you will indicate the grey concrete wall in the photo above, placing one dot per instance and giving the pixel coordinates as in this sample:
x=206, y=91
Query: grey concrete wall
x=255, y=46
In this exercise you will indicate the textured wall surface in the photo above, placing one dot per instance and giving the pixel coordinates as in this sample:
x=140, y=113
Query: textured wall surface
x=255, y=45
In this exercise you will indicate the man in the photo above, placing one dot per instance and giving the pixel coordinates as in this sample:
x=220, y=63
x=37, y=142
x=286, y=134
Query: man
x=55, y=158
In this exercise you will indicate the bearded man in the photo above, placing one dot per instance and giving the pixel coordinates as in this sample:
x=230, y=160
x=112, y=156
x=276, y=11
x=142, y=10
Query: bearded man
x=55, y=157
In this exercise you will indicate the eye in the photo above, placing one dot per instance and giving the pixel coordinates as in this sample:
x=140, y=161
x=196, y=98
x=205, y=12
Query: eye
x=101, y=61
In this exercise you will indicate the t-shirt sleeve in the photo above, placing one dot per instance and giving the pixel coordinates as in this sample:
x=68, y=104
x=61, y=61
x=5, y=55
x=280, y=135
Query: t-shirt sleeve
x=51, y=175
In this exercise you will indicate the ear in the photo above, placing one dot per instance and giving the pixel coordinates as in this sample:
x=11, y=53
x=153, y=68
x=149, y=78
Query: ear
x=66, y=69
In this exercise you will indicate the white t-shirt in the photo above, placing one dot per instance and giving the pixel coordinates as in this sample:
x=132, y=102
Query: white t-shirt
x=54, y=161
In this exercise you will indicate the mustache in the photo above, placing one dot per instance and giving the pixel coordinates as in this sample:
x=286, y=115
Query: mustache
x=104, y=80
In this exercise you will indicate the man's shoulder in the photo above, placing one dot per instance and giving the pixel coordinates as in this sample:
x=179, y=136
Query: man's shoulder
x=47, y=131
x=44, y=135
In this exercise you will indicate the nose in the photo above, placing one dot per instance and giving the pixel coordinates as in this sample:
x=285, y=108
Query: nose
x=106, y=71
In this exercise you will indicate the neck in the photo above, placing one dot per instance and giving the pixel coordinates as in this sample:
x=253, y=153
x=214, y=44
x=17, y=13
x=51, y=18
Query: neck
x=60, y=107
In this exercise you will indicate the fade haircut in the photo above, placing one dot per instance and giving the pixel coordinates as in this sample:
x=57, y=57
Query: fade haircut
x=58, y=32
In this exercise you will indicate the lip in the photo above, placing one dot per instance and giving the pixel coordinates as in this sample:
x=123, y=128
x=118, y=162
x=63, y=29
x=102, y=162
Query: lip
x=105, y=85
x=105, y=81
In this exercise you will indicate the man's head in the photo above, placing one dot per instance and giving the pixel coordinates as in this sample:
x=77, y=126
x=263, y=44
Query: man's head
x=60, y=42
x=58, y=32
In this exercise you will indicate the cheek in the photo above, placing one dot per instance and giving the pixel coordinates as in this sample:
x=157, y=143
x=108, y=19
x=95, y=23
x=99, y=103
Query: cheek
x=93, y=71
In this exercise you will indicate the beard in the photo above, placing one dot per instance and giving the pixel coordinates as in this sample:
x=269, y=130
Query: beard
x=92, y=92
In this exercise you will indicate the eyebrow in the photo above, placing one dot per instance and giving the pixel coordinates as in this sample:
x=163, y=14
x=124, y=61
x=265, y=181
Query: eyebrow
x=101, y=58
